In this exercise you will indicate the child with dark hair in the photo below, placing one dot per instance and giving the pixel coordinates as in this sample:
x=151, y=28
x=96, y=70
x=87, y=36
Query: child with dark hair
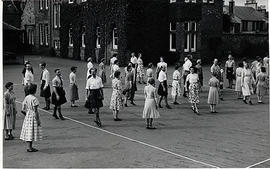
x=116, y=99
x=150, y=107
x=31, y=129
x=149, y=71
x=10, y=111
x=74, y=95
x=261, y=84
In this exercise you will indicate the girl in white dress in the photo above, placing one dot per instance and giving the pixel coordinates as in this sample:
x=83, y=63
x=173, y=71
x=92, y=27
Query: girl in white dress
x=117, y=98
x=238, y=74
x=176, y=87
x=246, y=82
x=150, y=107
x=31, y=129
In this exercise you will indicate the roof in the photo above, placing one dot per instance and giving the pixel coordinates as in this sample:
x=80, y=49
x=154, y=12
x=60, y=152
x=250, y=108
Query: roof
x=246, y=13
x=7, y=26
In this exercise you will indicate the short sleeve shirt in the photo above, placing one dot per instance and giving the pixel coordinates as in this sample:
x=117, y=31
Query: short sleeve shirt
x=94, y=83
x=134, y=60
x=149, y=72
x=162, y=64
x=162, y=76
x=56, y=82
x=176, y=75
x=192, y=78
x=72, y=78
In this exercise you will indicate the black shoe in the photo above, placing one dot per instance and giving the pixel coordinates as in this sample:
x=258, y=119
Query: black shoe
x=175, y=103
x=250, y=103
x=222, y=99
x=245, y=101
x=139, y=82
x=117, y=119
x=144, y=82
x=168, y=107
x=160, y=106
x=32, y=150
x=126, y=105
x=55, y=116
x=73, y=106
x=62, y=118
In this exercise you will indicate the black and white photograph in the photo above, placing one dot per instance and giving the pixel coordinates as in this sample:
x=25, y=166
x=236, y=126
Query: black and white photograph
x=135, y=84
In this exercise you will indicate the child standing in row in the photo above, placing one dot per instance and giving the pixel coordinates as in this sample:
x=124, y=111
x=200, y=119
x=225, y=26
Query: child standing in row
x=176, y=88
x=261, y=84
x=213, y=96
x=150, y=107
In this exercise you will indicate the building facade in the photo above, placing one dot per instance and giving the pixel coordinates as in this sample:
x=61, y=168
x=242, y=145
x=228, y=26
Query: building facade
x=169, y=28
x=41, y=22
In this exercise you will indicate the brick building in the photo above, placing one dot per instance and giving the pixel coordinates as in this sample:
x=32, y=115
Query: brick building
x=41, y=22
x=170, y=28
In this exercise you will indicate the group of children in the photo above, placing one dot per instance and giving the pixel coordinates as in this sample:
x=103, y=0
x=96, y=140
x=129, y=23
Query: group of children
x=188, y=76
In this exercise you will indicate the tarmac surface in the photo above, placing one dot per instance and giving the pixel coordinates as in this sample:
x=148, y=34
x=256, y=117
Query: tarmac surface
x=237, y=136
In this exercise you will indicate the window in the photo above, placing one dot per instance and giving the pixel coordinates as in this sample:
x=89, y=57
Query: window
x=84, y=0
x=83, y=36
x=173, y=37
x=211, y=1
x=98, y=37
x=56, y=15
x=244, y=25
x=30, y=36
x=40, y=4
x=172, y=1
x=204, y=1
x=187, y=1
x=190, y=40
x=70, y=1
x=41, y=28
x=46, y=4
x=56, y=44
x=46, y=34
x=59, y=14
x=70, y=42
x=115, y=38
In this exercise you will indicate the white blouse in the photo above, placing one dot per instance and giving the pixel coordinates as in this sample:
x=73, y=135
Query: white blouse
x=162, y=64
x=28, y=77
x=72, y=78
x=94, y=83
x=162, y=76
x=192, y=78
x=176, y=75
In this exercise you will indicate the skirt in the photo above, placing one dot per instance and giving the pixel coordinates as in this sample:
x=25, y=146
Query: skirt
x=161, y=92
x=194, y=93
x=74, y=92
x=45, y=93
x=213, y=97
x=94, y=99
x=238, y=87
x=30, y=130
x=10, y=121
x=62, y=95
x=247, y=88
x=176, y=89
x=150, y=110
x=261, y=89
x=230, y=75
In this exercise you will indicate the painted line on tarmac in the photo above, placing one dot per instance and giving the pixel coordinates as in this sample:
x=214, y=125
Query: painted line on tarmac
x=253, y=165
x=133, y=140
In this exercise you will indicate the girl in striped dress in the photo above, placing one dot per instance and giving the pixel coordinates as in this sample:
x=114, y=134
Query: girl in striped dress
x=10, y=111
x=31, y=129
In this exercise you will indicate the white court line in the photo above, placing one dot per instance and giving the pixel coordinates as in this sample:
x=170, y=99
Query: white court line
x=259, y=163
x=133, y=140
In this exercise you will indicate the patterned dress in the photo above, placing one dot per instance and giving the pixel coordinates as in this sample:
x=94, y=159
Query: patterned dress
x=30, y=129
x=193, y=80
x=150, y=110
x=117, y=98
x=9, y=110
x=140, y=70
x=213, y=96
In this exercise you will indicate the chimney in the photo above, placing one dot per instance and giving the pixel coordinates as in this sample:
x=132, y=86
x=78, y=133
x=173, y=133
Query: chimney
x=231, y=7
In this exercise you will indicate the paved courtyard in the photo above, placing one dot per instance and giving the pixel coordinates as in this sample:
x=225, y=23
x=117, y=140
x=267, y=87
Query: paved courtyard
x=238, y=136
